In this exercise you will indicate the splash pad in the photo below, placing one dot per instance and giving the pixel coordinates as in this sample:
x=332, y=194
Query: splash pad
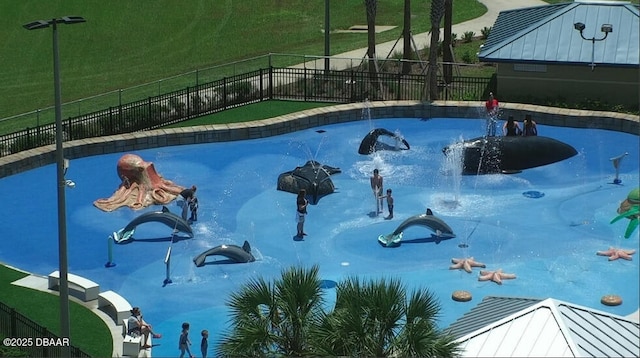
x=493, y=222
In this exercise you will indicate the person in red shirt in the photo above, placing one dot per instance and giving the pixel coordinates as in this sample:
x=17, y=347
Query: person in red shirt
x=492, y=113
x=491, y=105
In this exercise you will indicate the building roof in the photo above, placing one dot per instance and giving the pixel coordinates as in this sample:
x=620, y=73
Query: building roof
x=546, y=34
x=545, y=328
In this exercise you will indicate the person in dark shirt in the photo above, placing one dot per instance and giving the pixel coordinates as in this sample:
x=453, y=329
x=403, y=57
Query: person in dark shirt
x=185, y=199
x=511, y=128
x=301, y=211
x=530, y=127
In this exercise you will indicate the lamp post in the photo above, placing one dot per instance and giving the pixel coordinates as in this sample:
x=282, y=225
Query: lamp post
x=65, y=331
x=605, y=28
x=327, y=51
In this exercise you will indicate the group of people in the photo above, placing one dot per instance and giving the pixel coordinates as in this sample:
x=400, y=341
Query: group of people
x=377, y=185
x=139, y=327
x=185, y=343
x=512, y=128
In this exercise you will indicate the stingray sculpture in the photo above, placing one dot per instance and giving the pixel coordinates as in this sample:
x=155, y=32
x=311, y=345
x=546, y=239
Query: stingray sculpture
x=630, y=209
x=141, y=186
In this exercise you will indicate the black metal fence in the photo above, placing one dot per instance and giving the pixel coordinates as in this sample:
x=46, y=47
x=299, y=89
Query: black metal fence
x=300, y=84
x=26, y=335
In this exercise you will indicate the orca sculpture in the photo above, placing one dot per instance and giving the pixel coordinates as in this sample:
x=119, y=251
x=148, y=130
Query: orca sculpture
x=233, y=252
x=371, y=144
x=314, y=177
x=488, y=155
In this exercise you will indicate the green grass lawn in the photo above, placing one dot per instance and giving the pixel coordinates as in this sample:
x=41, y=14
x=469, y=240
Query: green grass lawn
x=252, y=112
x=128, y=43
x=88, y=331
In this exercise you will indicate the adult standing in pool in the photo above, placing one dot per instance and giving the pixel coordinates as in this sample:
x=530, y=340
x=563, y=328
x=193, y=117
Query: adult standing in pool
x=376, y=185
x=301, y=212
x=492, y=107
x=185, y=199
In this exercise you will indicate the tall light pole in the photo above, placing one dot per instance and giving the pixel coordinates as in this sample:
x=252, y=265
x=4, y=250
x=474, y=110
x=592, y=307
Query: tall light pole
x=605, y=28
x=65, y=331
x=327, y=30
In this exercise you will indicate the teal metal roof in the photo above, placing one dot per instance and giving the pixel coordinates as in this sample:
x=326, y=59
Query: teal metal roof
x=546, y=34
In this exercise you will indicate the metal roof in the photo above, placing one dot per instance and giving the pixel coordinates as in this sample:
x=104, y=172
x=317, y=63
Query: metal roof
x=550, y=328
x=491, y=309
x=546, y=34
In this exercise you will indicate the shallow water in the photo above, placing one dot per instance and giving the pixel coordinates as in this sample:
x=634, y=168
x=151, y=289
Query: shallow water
x=548, y=242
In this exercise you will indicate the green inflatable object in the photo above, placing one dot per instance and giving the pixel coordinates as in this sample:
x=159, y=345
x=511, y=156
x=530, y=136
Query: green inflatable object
x=631, y=214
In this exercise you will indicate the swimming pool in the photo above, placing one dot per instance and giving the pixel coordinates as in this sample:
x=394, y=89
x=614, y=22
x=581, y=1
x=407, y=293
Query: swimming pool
x=548, y=242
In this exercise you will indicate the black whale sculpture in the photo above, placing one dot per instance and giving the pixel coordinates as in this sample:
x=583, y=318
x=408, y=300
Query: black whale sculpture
x=487, y=155
x=371, y=144
x=314, y=177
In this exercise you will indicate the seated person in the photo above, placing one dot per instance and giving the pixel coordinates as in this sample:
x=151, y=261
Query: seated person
x=530, y=128
x=511, y=128
x=137, y=327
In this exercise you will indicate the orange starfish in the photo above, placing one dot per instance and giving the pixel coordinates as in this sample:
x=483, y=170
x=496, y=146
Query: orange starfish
x=495, y=276
x=465, y=264
x=615, y=253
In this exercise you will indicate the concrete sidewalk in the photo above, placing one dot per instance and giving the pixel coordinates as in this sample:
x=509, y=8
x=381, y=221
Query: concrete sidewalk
x=349, y=59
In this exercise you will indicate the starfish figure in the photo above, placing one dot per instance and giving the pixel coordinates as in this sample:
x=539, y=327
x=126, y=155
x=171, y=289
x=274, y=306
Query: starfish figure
x=615, y=253
x=496, y=276
x=465, y=264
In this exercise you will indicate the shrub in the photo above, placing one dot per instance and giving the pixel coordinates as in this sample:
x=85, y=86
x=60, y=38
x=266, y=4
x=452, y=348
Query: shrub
x=468, y=36
x=485, y=32
x=467, y=57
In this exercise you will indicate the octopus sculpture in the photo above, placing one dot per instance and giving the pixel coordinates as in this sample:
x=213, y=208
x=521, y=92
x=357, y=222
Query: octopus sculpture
x=630, y=209
x=141, y=186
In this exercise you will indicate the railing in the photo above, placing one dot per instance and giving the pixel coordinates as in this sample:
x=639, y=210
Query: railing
x=42, y=342
x=302, y=84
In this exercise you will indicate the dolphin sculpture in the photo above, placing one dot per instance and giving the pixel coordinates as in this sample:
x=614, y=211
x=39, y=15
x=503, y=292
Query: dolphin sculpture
x=370, y=142
x=487, y=155
x=163, y=216
x=233, y=252
x=314, y=177
x=441, y=230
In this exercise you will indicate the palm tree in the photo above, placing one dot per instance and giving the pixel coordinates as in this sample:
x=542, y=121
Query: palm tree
x=378, y=319
x=437, y=11
x=406, y=34
x=274, y=319
x=447, y=55
x=372, y=8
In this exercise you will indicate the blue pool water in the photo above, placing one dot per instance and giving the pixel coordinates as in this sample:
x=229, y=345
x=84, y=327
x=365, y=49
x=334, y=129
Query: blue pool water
x=548, y=237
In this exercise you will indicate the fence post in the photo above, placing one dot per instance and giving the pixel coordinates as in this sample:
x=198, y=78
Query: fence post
x=270, y=89
x=44, y=348
x=188, y=104
x=261, y=86
x=13, y=324
x=224, y=92
x=304, y=83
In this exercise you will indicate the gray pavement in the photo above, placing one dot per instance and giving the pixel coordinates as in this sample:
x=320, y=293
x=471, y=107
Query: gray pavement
x=421, y=40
